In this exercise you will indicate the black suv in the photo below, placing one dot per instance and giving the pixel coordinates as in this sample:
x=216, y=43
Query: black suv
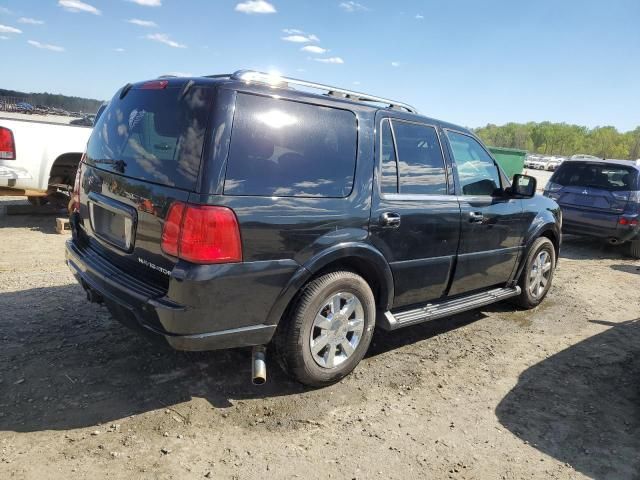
x=243, y=210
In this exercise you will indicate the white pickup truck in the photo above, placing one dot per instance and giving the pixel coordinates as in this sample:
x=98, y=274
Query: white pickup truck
x=38, y=158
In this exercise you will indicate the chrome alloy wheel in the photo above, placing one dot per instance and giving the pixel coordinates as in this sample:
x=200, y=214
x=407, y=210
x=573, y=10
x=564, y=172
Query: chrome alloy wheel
x=337, y=330
x=539, y=274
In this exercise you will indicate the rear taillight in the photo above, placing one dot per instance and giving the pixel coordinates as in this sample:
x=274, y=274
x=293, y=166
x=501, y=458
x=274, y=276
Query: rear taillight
x=155, y=85
x=7, y=145
x=74, y=203
x=202, y=234
x=628, y=221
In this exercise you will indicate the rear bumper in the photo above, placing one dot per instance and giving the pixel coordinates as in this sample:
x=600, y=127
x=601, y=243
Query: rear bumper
x=597, y=224
x=204, y=319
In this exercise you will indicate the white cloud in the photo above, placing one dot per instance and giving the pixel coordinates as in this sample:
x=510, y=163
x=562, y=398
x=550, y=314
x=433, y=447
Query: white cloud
x=30, y=21
x=335, y=60
x=119, y=50
x=5, y=11
x=8, y=29
x=2, y=37
x=314, y=49
x=419, y=17
x=142, y=23
x=395, y=64
x=356, y=83
x=255, y=6
x=164, y=38
x=76, y=6
x=148, y=3
x=292, y=31
x=353, y=7
x=46, y=46
x=301, y=38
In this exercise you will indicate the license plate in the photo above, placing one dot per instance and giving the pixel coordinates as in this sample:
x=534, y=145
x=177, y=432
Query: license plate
x=113, y=224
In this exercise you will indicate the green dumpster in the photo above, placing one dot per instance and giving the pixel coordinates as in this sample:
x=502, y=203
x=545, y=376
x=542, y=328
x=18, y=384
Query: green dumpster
x=510, y=159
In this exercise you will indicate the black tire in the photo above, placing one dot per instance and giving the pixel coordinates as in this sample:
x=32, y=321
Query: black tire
x=527, y=299
x=634, y=248
x=292, y=342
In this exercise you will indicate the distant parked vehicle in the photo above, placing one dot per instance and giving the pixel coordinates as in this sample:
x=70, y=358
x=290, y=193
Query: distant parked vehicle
x=600, y=199
x=538, y=164
x=582, y=156
x=24, y=107
x=553, y=163
x=86, y=121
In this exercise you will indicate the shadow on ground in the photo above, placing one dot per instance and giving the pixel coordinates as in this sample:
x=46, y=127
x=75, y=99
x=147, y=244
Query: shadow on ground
x=582, y=405
x=583, y=248
x=65, y=363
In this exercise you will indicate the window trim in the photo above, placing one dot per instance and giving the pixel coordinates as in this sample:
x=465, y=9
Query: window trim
x=409, y=196
x=501, y=175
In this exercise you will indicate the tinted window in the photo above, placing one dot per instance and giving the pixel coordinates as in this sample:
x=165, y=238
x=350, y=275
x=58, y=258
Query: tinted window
x=388, y=165
x=477, y=172
x=154, y=135
x=420, y=161
x=597, y=175
x=285, y=148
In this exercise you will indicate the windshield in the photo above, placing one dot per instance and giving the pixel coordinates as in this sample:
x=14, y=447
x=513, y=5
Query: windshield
x=153, y=135
x=596, y=175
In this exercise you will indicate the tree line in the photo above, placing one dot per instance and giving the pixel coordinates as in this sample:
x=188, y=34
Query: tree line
x=563, y=139
x=70, y=104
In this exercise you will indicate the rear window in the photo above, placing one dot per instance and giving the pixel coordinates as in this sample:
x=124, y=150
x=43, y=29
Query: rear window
x=290, y=149
x=153, y=135
x=596, y=175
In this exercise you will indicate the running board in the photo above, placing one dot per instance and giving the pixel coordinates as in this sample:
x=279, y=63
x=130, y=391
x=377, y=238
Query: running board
x=445, y=308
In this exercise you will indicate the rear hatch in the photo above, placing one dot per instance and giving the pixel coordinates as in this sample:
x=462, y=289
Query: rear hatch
x=595, y=187
x=144, y=153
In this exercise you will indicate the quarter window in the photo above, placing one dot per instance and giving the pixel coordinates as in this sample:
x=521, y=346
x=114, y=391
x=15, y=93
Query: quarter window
x=477, y=172
x=290, y=149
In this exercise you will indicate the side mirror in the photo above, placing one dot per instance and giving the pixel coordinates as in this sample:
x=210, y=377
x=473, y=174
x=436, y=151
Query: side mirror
x=523, y=186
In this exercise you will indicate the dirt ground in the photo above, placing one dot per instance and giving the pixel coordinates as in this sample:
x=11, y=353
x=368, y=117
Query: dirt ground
x=497, y=393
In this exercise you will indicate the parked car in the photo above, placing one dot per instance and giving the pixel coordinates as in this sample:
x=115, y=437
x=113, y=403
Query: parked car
x=539, y=163
x=237, y=210
x=599, y=199
x=39, y=158
x=86, y=120
x=553, y=163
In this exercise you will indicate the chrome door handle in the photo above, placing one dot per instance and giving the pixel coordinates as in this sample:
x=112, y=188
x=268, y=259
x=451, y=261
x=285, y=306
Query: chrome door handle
x=390, y=219
x=476, y=217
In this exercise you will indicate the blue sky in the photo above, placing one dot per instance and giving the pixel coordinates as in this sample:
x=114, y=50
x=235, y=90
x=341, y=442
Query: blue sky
x=470, y=62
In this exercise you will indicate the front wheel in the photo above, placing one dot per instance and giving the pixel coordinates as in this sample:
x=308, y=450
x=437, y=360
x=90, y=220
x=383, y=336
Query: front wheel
x=329, y=329
x=535, y=279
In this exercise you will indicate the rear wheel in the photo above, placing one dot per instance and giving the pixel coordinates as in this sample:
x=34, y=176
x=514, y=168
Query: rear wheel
x=537, y=274
x=634, y=248
x=329, y=329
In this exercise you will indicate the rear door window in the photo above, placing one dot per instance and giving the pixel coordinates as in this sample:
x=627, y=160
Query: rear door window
x=290, y=149
x=596, y=175
x=155, y=135
x=421, y=168
x=388, y=160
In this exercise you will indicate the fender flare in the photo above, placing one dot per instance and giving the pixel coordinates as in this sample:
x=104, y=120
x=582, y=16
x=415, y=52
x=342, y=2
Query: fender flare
x=342, y=251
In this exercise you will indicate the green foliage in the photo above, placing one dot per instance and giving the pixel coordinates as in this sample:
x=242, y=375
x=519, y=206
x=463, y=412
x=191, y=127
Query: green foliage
x=70, y=104
x=563, y=139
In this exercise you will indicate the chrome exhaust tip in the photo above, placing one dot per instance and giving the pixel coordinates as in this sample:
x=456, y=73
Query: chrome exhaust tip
x=259, y=365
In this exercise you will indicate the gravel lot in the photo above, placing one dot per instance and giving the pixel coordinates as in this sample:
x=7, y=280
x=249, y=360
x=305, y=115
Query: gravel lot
x=497, y=393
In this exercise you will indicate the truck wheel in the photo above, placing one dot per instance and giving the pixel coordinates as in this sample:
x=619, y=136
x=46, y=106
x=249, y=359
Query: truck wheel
x=537, y=275
x=328, y=330
x=634, y=248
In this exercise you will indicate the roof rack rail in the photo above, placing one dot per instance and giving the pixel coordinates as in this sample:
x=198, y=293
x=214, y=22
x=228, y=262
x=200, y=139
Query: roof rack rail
x=278, y=81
